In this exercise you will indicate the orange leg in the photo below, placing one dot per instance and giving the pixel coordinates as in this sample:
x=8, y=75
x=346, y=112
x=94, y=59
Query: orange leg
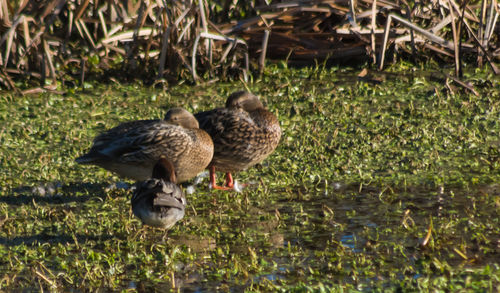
x=213, y=180
x=229, y=180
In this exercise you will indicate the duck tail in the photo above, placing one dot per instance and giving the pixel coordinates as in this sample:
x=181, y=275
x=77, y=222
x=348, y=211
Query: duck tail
x=87, y=159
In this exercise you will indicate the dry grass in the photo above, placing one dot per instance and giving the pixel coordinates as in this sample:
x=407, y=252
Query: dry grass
x=61, y=40
x=339, y=29
x=52, y=42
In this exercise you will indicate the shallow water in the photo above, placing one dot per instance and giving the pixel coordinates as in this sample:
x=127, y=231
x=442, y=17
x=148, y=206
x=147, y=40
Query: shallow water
x=343, y=223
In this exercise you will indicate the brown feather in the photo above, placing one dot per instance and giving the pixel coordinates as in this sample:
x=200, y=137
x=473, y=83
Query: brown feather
x=132, y=149
x=241, y=138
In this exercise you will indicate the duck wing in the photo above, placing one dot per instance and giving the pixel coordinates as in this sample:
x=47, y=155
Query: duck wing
x=140, y=141
x=107, y=137
x=160, y=192
x=233, y=132
x=167, y=200
x=225, y=123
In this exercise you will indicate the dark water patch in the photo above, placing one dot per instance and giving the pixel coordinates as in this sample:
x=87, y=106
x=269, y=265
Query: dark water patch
x=43, y=238
x=58, y=193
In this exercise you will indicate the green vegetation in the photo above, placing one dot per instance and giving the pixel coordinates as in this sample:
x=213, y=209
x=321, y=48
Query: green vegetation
x=375, y=186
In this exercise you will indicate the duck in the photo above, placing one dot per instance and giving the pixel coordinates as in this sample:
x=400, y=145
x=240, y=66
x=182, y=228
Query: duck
x=244, y=133
x=158, y=201
x=132, y=149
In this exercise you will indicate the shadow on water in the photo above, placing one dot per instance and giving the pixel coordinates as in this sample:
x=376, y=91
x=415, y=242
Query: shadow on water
x=194, y=282
x=56, y=193
x=52, y=239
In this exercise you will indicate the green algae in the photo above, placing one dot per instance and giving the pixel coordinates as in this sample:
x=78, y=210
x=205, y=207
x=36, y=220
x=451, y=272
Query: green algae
x=364, y=169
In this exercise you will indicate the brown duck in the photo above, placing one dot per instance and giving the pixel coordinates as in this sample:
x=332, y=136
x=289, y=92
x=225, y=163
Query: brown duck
x=132, y=149
x=244, y=133
x=159, y=202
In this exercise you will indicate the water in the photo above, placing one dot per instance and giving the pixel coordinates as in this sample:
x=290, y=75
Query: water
x=346, y=224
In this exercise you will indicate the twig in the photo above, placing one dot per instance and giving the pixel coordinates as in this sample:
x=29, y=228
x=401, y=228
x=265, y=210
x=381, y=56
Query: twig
x=463, y=255
x=184, y=31
x=428, y=235
x=163, y=54
x=138, y=25
x=81, y=9
x=480, y=32
x=352, y=14
x=86, y=31
x=455, y=41
x=372, y=33
x=208, y=43
x=8, y=80
x=262, y=59
x=463, y=84
x=492, y=22
x=438, y=50
x=429, y=35
x=10, y=32
x=82, y=71
x=43, y=277
x=474, y=37
x=127, y=36
x=103, y=23
x=229, y=48
x=51, y=64
x=213, y=37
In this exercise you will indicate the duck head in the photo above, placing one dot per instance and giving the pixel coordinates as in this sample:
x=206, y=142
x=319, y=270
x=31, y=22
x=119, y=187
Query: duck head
x=244, y=100
x=181, y=117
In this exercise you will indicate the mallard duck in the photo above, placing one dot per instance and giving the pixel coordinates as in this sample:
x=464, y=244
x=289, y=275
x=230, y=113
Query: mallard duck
x=131, y=149
x=244, y=133
x=159, y=202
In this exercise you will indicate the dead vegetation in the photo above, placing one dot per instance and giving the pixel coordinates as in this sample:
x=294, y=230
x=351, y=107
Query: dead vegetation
x=50, y=44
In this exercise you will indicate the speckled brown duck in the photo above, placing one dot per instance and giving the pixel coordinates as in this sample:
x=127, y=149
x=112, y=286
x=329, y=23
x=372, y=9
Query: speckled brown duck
x=244, y=133
x=159, y=202
x=132, y=149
